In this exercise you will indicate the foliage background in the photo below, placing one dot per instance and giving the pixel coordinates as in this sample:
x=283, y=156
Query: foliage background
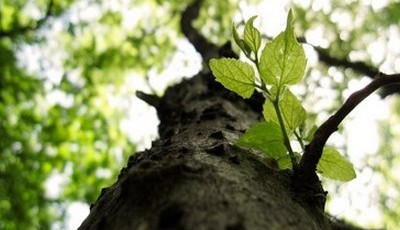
x=69, y=71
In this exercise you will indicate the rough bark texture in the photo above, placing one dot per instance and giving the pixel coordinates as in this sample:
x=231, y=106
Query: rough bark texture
x=194, y=178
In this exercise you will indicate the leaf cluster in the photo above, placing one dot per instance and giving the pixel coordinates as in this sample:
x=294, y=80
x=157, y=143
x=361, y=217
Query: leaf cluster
x=272, y=70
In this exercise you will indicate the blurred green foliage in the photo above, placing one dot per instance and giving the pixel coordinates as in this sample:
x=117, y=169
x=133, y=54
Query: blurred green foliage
x=63, y=61
x=59, y=63
x=40, y=139
x=386, y=164
x=356, y=31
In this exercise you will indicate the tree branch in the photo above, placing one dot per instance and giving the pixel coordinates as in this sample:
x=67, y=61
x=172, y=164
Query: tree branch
x=325, y=57
x=19, y=30
x=201, y=44
x=360, y=67
x=313, y=151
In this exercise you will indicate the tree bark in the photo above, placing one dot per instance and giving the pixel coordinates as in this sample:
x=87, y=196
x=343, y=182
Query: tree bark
x=193, y=177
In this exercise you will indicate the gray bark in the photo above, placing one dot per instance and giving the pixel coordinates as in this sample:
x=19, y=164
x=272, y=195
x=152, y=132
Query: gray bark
x=193, y=177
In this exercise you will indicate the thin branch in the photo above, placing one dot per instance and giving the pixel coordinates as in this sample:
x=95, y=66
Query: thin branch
x=325, y=57
x=207, y=49
x=360, y=67
x=150, y=99
x=313, y=151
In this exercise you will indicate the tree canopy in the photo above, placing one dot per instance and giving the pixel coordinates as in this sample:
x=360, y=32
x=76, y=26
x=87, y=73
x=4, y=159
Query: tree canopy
x=69, y=71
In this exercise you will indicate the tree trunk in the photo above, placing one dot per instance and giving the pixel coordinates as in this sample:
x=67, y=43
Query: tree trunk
x=193, y=177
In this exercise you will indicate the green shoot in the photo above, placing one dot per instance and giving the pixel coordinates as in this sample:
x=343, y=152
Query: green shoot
x=279, y=64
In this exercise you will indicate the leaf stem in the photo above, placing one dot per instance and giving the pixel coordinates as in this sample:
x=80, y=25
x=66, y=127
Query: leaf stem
x=263, y=87
x=286, y=140
x=275, y=102
x=299, y=139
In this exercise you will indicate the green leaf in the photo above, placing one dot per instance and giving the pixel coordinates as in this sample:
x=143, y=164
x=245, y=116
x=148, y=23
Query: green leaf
x=235, y=75
x=334, y=166
x=252, y=36
x=240, y=42
x=283, y=61
x=265, y=137
x=291, y=109
x=284, y=162
x=309, y=133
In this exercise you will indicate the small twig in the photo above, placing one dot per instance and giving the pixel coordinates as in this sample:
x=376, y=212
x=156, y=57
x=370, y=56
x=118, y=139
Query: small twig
x=325, y=57
x=313, y=151
x=150, y=99
x=358, y=66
